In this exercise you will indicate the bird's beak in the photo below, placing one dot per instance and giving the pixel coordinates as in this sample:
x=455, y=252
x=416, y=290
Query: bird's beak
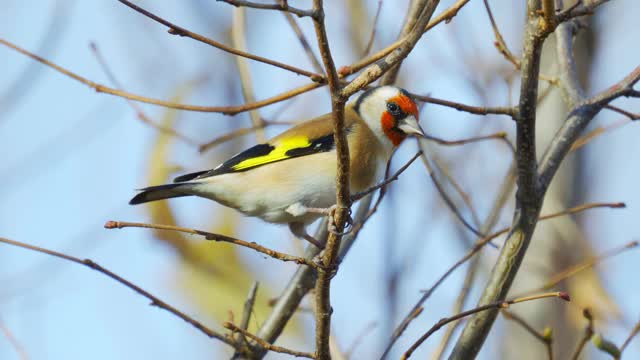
x=409, y=125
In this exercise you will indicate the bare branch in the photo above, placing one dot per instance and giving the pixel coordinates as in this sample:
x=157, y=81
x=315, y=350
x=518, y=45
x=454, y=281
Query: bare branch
x=374, y=25
x=632, y=334
x=227, y=110
x=248, y=306
x=395, y=56
x=582, y=110
x=22, y=353
x=281, y=6
x=586, y=264
x=215, y=237
x=446, y=198
x=580, y=8
x=155, y=301
x=264, y=344
x=474, y=250
x=499, y=202
x=238, y=37
x=180, y=31
x=500, y=44
x=138, y=110
x=343, y=196
x=546, y=340
x=588, y=333
x=478, y=110
x=497, y=305
x=447, y=15
x=528, y=197
x=305, y=44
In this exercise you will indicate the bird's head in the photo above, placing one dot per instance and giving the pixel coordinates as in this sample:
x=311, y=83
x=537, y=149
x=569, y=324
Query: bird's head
x=390, y=112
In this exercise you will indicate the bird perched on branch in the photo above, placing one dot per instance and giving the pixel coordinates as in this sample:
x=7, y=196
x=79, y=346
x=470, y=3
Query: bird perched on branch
x=291, y=179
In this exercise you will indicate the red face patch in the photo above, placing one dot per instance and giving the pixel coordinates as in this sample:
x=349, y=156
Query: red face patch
x=389, y=128
x=390, y=123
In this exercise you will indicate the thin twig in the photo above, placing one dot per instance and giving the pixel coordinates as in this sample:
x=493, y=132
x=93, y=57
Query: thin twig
x=446, y=198
x=239, y=39
x=500, y=44
x=363, y=334
x=317, y=66
x=267, y=346
x=588, y=333
x=447, y=15
x=630, y=115
x=443, y=169
x=474, y=250
x=506, y=189
x=247, y=310
x=632, y=334
x=343, y=198
x=215, y=237
x=497, y=305
x=593, y=134
x=546, y=340
x=477, y=110
x=280, y=6
x=180, y=31
x=528, y=197
x=357, y=196
x=394, y=57
x=229, y=136
x=155, y=301
x=586, y=264
x=374, y=26
x=22, y=353
x=140, y=114
x=227, y=110
x=248, y=306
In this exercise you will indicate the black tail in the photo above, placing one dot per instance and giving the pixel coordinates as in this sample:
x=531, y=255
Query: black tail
x=159, y=192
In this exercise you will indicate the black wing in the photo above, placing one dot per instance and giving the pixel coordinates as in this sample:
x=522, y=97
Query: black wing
x=321, y=144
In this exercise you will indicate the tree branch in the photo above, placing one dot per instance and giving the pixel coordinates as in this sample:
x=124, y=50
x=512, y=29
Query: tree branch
x=215, y=237
x=343, y=196
x=477, y=110
x=267, y=346
x=374, y=71
x=528, y=199
x=473, y=251
x=180, y=31
x=155, y=301
x=281, y=6
x=227, y=110
x=499, y=305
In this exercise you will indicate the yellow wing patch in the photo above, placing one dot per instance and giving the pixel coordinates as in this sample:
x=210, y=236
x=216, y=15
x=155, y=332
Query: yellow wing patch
x=277, y=154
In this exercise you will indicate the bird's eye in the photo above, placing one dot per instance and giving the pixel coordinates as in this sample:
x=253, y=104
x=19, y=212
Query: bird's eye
x=393, y=108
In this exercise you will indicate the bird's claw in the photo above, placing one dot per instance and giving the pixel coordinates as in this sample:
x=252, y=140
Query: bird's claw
x=348, y=224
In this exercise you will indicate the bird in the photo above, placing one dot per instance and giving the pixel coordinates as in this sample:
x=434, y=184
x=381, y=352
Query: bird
x=291, y=178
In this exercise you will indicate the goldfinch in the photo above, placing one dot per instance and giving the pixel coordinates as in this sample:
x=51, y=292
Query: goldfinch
x=288, y=178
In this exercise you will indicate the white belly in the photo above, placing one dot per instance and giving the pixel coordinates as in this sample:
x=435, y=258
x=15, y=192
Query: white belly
x=267, y=191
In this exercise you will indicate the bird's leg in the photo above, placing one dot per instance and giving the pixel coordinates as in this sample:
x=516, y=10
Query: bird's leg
x=299, y=210
x=330, y=212
x=298, y=229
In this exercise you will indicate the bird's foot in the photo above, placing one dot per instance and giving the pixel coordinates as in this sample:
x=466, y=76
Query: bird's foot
x=318, y=261
x=298, y=210
x=348, y=224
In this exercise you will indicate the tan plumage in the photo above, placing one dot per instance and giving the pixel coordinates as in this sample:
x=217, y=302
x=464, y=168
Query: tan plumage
x=295, y=171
